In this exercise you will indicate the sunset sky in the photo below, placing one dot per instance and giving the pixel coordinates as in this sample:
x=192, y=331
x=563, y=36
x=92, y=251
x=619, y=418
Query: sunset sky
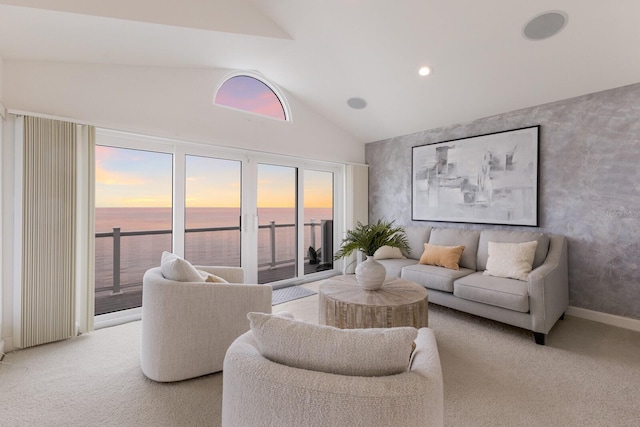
x=134, y=178
x=249, y=94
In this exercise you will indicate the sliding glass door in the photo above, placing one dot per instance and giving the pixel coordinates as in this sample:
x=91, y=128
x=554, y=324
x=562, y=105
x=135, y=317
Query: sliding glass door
x=318, y=220
x=212, y=211
x=277, y=209
x=273, y=216
x=133, y=222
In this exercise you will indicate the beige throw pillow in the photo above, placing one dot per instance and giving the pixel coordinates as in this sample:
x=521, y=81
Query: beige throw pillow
x=176, y=268
x=211, y=278
x=511, y=260
x=357, y=352
x=442, y=256
x=388, y=252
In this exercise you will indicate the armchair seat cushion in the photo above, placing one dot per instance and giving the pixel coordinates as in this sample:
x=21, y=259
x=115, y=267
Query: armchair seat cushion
x=501, y=292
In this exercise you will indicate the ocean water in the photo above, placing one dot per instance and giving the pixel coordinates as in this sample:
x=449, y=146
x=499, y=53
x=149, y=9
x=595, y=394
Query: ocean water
x=140, y=252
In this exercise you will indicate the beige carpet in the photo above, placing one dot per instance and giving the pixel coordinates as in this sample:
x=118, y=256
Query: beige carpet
x=494, y=375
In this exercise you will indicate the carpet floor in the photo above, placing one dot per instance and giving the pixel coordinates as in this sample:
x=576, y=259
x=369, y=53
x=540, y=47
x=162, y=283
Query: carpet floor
x=588, y=374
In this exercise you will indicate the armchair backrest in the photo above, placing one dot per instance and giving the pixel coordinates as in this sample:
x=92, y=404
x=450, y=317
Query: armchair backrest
x=257, y=391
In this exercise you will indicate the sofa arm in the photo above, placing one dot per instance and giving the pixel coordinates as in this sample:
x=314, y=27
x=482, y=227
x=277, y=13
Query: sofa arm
x=549, y=287
x=230, y=274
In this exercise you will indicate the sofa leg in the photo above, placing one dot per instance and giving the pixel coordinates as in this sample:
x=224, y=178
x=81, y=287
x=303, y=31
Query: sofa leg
x=539, y=337
x=562, y=317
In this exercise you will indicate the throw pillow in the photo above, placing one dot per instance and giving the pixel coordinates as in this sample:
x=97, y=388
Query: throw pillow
x=176, y=268
x=442, y=256
x=388, y=252
x=211, y=278
x=510, y=260
x=357, y=352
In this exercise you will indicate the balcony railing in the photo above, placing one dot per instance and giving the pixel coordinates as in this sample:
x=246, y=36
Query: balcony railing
x=267, y=268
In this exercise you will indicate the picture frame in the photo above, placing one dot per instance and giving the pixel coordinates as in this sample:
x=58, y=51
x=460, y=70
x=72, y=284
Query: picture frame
x=485, y=179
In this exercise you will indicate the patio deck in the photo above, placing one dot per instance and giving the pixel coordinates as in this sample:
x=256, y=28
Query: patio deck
x=131, y=296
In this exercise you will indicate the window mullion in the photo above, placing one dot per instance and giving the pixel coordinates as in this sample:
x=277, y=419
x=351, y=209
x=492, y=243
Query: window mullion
x=179, y=179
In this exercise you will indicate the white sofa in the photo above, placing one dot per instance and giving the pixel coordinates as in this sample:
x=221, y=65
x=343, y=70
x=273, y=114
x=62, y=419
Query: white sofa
x=535, y=304
x=258, y=392
x=188, y=326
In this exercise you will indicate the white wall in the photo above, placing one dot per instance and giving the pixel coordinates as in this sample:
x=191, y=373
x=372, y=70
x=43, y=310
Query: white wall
x=2, y=299
x=7, y=231
x=170, y=102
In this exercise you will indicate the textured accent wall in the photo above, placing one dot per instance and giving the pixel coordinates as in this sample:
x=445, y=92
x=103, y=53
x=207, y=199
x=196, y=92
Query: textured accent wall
x=589, y=188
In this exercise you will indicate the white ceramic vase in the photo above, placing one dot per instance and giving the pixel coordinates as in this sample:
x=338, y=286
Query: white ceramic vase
x=370, y=274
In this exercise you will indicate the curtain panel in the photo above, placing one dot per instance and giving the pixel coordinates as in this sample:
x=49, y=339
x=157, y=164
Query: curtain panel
x=56, y=298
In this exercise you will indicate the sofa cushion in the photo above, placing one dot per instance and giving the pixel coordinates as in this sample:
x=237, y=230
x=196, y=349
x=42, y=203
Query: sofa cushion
x=433, y=277
x=510, y=260
x=358, y=352
x=394, y=266
x=504, y=236
x=506, y=293
x=388, y=252
x=417, y=236
x=443, y=256
x=178, y=269
x=458, y=237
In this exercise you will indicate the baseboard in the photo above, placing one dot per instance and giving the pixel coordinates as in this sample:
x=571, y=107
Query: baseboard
x=608, y=319
x=117, y=318
x=7, y=342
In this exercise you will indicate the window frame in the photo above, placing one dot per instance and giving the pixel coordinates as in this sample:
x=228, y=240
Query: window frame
x=276, y=91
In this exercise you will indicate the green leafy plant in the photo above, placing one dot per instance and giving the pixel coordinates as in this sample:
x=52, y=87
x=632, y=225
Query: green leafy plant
x=369, y=238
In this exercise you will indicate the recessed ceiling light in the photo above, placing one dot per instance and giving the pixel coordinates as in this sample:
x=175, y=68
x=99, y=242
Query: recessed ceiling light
x=545, y=25
x=357, y=103
x=424, y=71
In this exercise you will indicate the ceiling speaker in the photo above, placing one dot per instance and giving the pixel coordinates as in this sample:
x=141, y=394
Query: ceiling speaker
x=545, y=25
x=357, y=103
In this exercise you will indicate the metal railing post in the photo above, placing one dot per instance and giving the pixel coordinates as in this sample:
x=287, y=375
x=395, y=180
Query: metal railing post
x=273, y=243
x=116, y=262
x=312, y=237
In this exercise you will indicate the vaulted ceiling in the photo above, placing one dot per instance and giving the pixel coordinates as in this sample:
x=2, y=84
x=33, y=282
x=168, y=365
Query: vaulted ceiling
x=325, y=52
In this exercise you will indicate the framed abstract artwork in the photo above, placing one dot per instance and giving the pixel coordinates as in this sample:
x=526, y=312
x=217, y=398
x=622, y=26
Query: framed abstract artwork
x=490, y=179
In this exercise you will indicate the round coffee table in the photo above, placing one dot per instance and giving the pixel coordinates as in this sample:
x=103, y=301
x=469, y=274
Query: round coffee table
x=345, y=304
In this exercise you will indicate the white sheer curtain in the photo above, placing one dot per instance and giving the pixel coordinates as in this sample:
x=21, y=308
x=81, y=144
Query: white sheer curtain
x=357, y=205
x=56, y=223
x=48, y=231
x=86, y=228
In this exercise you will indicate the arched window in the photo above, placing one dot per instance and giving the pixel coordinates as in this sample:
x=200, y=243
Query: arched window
x=248, y=93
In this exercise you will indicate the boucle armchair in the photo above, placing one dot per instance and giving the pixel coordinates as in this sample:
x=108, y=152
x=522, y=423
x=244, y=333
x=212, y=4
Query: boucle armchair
x=260, y=392
x=188, y=326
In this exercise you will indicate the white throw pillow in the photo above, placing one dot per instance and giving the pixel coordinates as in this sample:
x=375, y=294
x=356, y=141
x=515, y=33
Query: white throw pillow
x=511, y=260
x=357, y=352
x=388, y=252
x=175, y=268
